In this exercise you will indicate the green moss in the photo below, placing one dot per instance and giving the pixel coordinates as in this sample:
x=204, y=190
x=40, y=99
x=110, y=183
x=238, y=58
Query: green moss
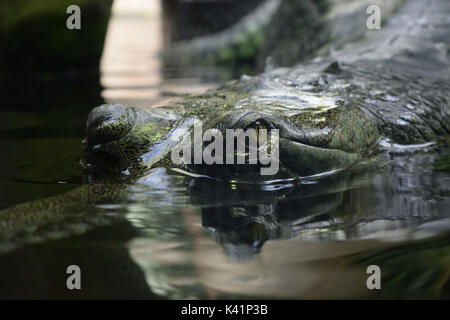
x=249, y=48
x=244, y=46
x=226, y=54
x=443, y=163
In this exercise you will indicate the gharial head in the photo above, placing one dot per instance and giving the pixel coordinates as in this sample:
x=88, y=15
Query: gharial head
x=118, y=137
x=315, y=135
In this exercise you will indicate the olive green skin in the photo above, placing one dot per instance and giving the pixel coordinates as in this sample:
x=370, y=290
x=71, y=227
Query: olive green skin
x=320, y=130
x=330, y=115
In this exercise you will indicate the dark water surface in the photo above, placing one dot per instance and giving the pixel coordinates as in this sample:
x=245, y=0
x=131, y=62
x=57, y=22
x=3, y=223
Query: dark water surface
x=180, y=237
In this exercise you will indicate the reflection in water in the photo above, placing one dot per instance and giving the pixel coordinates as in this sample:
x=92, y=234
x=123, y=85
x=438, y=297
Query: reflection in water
x=179, y=237
x=289, y=242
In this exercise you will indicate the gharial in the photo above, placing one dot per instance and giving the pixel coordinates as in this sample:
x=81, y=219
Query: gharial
x=331, y=113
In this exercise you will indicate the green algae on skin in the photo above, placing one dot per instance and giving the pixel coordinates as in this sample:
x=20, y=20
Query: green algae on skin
x=443, y=163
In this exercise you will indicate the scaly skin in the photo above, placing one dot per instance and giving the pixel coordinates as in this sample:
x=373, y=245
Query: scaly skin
x=330, y=116
x=321, y=131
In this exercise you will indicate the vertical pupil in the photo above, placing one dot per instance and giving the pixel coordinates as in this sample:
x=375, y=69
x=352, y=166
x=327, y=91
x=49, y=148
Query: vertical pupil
x=259, y=126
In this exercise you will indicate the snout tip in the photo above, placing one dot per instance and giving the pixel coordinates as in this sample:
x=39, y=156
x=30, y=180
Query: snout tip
x=108, y=122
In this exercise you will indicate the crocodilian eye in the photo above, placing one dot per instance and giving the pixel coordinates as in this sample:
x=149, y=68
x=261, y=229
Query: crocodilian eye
x=258, y=132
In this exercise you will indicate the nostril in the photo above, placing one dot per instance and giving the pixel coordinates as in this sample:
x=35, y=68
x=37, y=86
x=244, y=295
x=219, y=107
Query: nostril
x=109, y=130
x=109, y=122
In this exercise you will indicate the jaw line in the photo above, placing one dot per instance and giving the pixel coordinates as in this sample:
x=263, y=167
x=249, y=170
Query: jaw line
x=323, y=161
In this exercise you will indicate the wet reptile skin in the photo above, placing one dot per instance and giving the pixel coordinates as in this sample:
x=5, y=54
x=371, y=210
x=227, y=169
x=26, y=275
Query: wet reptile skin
x=331, y=114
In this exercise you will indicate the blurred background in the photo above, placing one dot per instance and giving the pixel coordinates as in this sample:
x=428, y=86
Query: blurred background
x=142, y=50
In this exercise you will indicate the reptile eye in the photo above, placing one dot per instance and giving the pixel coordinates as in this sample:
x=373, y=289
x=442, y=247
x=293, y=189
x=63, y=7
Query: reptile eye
x=258, y=132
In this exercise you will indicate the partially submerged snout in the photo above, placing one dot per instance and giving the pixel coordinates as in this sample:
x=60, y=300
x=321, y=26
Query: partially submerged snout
x=109, y=122
x=118, y=137
x=310, y=142
x=105, y=126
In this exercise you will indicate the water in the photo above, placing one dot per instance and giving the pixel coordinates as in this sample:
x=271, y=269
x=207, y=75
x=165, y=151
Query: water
x=179, y=237
x=175, y=236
